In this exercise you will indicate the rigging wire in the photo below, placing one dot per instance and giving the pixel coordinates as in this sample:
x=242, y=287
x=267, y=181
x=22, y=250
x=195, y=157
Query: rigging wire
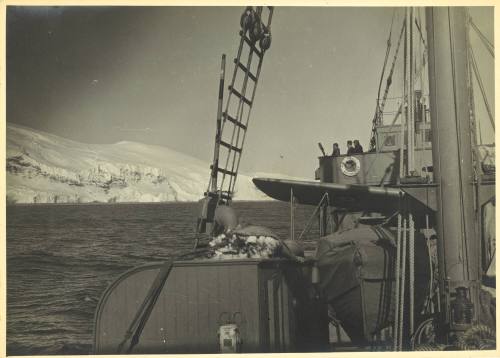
x=420, y=78
x=481, y=86
x=419, y=74
x=473, y=125
x=472, y=109
x=376, y=116
x=380, y=106
x=422, y=74
x=480, y=134
x=489, y=46
x=391, y=71
x=419, y=28
x=410, y=152
x=387, y=51
x=405, y=101
x=463, y=242
x=309, y=222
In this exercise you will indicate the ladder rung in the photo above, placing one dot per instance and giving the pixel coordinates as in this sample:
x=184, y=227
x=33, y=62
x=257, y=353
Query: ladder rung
x=246, y=70
x=232, y=120
x=229, y=146
x=238, y=94
x=224, y=171
x=252, y=46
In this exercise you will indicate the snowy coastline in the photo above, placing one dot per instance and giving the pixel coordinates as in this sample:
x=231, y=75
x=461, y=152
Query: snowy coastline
x=45, y=168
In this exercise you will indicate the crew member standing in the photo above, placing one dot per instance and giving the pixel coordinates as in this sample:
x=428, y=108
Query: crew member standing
x=336, y=150
x=350, y=148
x=357, y=147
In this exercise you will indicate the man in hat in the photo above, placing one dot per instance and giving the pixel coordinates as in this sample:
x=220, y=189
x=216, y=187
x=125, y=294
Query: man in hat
x=350, y=148
x=357, y=147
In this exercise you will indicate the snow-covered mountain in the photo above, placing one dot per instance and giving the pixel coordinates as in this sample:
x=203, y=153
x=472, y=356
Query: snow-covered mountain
x=45, y=168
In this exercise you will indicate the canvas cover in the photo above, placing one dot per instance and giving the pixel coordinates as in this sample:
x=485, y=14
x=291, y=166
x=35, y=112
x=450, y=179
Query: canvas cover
x=356, y=269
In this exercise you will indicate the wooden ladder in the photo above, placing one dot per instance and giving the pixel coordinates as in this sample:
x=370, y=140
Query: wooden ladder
x=232, y=122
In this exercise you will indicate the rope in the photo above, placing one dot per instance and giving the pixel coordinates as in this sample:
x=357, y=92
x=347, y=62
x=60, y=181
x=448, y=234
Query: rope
x=411, y=259
x=477, y=337
x=430, y=347
x=398, y=273
x=416, y=340
x=403, y=277
x=428, y=301
x=470, y=87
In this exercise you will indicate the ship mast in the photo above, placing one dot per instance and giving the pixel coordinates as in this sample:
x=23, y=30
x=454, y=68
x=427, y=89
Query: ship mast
x=458, y=243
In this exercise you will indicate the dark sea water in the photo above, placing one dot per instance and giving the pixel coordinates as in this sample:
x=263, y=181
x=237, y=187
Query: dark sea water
x=60, y=258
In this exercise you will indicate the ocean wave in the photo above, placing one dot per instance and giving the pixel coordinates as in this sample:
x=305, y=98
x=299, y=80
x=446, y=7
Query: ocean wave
x=58, y=267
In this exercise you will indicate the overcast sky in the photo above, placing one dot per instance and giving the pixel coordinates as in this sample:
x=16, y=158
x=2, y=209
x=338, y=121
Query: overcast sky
x=106, y=74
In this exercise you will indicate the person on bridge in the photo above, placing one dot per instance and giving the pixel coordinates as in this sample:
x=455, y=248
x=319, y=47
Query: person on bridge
x=357, y=147
x=350, y=148
x=336, y=150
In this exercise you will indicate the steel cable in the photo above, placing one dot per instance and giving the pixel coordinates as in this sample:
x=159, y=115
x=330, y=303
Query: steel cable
x=489, y=46
x=481, y=87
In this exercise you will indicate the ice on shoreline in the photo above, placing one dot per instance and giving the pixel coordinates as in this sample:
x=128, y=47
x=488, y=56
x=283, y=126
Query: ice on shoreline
x=45, y=168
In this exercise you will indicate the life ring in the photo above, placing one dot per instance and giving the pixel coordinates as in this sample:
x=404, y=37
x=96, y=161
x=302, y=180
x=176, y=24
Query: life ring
x=350, y=166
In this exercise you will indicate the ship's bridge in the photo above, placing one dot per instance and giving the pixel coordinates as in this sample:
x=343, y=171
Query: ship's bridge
x=381, y=166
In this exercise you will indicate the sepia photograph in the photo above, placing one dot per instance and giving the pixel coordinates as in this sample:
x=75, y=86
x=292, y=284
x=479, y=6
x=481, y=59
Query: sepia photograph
x=249, y=179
